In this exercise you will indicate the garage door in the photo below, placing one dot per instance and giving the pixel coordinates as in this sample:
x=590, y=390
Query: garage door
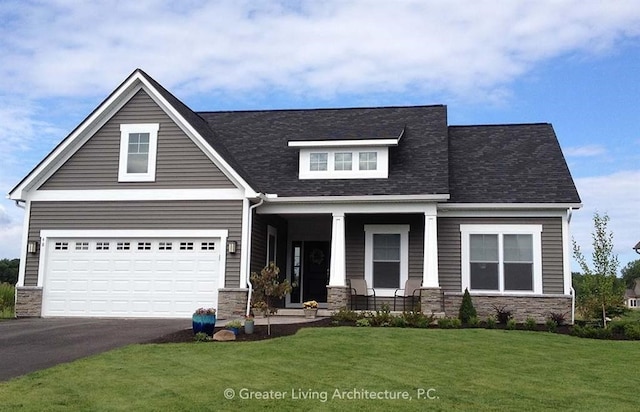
x=130, y=277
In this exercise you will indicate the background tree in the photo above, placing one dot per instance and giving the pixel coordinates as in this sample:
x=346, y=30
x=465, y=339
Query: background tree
x=630, y=273
x=9, y=271
x=601, y=292
x=267, y=287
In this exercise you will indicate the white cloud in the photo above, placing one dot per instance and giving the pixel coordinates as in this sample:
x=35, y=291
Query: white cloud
x=461, y=48
x=618, y=195
x=585, y=151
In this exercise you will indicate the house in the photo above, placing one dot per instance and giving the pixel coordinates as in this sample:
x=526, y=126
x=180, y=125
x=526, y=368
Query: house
x=632, y=296
x=149, y=209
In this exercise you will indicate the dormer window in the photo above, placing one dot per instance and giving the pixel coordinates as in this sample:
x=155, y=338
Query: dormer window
x=318, y=162
x=343, y=161
x=368, y=161
x=138, y=150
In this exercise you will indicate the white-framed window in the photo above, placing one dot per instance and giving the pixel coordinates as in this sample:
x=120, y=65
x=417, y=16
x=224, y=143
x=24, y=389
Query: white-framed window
x=368, y=160
x=318, y=161
x=272, y=244
x=138, y=152
x=502, y=258
x=386, y=254
x=344, y=163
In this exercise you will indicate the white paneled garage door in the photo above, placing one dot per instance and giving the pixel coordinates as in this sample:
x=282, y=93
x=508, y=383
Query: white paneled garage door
x=131, y=277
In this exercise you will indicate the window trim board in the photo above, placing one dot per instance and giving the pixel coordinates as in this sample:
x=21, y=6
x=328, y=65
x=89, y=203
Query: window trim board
x=369, y=231
x=125, y=131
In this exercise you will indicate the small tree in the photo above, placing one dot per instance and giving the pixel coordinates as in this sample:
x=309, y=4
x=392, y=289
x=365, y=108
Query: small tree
x=600, y=289
x=267, y=287
x=630, y=273
x=467, y=311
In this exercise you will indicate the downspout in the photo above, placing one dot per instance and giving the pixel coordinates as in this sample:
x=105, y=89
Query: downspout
x=248, y=246
x=573, y=292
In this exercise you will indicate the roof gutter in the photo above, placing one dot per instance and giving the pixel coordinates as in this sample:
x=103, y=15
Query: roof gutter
x=248, y=246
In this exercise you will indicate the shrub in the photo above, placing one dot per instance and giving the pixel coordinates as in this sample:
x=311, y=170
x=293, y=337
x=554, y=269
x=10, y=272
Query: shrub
x=382, y=317
x=344, y=315
x=558, y=318
x=491, y=322
x=474, y=321
x=456, y=323
x=417, y=319
x=398, y=322
x=467, y=311
x=502, y=314
x=7, y=300
x=201, y=337
x=511, y=324
x=363, y=322
x=552, y=326
x=632, y=331
x=444, y=323
x=530, y=324
x=592, y=332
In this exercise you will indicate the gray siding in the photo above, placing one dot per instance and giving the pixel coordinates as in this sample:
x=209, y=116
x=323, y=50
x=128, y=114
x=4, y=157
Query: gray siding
x=449, y=255
x=138, y=215
x=259, y=242
x=180, y=163
x=355, y=241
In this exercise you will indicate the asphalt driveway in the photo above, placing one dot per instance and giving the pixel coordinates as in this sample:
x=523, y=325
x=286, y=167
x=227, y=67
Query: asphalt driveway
x=28, y=345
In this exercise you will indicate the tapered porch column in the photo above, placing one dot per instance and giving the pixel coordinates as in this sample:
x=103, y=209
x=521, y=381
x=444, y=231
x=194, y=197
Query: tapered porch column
x=430, y=267
x=337, y=271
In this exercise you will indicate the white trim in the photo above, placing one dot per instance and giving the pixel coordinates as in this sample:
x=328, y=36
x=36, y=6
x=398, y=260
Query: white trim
x=381, y=171
x=566, y=253
x=46, y=235
x=357, y=207
x=369, y=231
x=125, y=132
x=135, y=194
x=450, y=208
x=244, y=241
x=23, y=246
x=345, y=143
x=534, y=230
x=272, y=231
x=359, y=199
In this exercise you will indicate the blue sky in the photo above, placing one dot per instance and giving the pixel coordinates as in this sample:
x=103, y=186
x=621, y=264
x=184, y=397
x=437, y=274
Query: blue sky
x=575, y=64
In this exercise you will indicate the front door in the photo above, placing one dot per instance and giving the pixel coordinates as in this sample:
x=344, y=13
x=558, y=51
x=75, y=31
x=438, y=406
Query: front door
x=310, y=271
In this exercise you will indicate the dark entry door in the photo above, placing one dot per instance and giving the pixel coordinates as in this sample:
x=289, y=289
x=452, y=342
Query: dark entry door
x=316, y=271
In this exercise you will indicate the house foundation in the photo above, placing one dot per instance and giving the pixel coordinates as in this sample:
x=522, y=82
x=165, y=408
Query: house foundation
x=431, y=300
x=538, y=307
x=28, y=302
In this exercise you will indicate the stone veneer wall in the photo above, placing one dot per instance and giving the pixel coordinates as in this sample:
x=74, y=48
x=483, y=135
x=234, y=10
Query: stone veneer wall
x=28, y=302
x=538, y=307
x=338, y=297
x=431, y=300
x=232, y=302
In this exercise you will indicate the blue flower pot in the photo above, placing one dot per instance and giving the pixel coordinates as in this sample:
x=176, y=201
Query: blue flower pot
x=203, y=323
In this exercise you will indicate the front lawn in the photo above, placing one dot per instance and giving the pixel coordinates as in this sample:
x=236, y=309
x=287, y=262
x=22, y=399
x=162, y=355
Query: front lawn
x=468, y=369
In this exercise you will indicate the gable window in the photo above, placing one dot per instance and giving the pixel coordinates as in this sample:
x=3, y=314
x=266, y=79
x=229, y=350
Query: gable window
x=502, y=258
x=318, y=161
x=138, y=151
x=368, y=161
x=343, y=161
x=386, y=257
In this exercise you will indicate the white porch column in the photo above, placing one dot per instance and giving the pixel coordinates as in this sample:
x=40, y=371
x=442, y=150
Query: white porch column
x=430, y=266
x=337, y=270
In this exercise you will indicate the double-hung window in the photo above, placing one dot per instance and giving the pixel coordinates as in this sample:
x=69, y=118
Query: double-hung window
x=386, y=257
x=138, y=150
x=502, y=258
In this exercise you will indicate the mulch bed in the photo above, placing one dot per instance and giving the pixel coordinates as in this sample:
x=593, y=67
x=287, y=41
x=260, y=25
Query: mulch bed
x=259, y=332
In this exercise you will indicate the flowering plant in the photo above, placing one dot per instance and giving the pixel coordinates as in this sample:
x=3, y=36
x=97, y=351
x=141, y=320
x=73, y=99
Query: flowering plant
x=205, y=311
x=311, y=304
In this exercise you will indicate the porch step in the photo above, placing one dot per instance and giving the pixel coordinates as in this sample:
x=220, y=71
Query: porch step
x=300, y=312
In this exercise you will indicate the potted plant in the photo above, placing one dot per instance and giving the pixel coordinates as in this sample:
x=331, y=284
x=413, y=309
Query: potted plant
x=248, y=324
x=234, y=326
x=310, y=309
x=204, y=320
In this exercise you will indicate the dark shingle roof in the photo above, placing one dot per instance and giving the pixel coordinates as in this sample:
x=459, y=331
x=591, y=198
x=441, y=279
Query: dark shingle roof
x=259, y=141
x=508, y=164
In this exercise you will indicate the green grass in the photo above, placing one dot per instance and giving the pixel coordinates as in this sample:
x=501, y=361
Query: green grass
x=7, y=301
x=469, y=369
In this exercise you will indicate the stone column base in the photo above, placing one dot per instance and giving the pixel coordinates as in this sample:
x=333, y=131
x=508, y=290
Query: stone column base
x=28, y=302
x=337, y=297
x=232, y=302
x=431, y=300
